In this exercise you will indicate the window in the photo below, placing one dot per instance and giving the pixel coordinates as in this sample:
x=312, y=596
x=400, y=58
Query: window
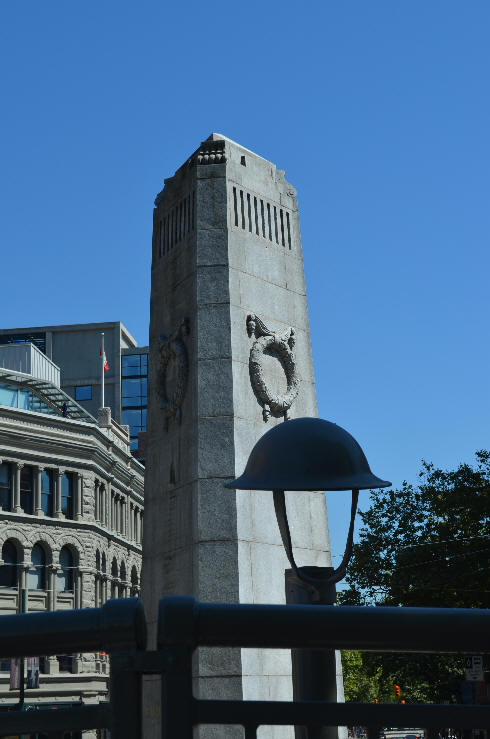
x=14, y=397
x=8, y=571
x=65, y=662
x=67, y=495
x=83, y=392
x=47, y=492
x=134, y=394
x=26, y=489
x=114, y=574
x=64, y=576
x=134, y=582
x=122, y=584
x=36, y=576
x=131, y=365
x=5, y=487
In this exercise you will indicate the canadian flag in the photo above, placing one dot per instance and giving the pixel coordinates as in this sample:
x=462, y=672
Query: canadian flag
x=106, y=363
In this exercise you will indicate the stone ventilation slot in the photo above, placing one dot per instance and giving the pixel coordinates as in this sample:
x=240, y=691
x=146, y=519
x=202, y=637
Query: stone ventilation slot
x=243, y=209
x=260, y=217
x=176, y=224
x=256, y=217
x=235, y=206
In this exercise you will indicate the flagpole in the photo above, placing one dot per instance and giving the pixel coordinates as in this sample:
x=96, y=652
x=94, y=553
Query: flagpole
x=102, y=366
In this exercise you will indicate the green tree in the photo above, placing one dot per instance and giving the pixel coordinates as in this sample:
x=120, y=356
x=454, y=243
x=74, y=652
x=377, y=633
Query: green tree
x=424, y=545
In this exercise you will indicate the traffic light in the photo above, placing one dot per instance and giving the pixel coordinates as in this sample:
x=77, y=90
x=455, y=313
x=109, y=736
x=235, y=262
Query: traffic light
x=397, y=691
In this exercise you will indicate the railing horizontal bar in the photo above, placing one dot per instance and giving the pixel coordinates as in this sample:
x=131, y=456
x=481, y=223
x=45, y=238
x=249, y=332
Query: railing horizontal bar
x=119, y=624
x=185, y=621
x=312, y=713
x=63, y=719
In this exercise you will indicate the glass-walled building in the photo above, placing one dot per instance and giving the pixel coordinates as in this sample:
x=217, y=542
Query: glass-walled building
x=134, y=394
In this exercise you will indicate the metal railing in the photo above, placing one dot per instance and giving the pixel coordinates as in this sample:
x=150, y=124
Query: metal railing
x=185, y=624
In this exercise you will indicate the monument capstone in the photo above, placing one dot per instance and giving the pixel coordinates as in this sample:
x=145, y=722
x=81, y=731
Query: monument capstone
x=230, y=356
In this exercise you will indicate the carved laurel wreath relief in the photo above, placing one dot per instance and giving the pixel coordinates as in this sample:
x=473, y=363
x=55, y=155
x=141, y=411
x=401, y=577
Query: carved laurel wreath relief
x=173, y=350
x=282, y=346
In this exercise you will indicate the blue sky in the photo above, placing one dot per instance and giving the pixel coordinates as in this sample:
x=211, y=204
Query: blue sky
x=380, y=114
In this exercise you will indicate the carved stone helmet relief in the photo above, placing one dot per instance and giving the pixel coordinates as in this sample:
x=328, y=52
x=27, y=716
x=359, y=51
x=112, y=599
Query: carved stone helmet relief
x=281, y=346
x=173, y=356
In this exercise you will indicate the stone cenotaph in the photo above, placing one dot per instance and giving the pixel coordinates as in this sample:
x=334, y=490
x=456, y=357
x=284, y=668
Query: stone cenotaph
x=230, y=356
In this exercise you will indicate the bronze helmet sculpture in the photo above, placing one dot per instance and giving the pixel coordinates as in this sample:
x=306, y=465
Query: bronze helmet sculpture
x=308, y=454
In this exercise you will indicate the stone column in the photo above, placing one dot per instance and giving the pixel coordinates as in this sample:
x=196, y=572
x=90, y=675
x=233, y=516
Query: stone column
x=17, y=468
x=78, y=582
x=112, y=512
x=38, y=511
x=78, y=496
x=97, y=511
x=51, y=571
x=58, y=474
x=23, y=570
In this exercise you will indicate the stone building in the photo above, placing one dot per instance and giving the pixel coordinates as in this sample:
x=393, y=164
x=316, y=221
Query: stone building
x=71, y=511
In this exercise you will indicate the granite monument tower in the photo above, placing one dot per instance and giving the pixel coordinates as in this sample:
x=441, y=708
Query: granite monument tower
x=229, y=357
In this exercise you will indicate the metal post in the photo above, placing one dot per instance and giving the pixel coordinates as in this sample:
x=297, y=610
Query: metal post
x=314, y=670
x=22, y=687
x=102, y=366
x=177, y=700
x=125, y=696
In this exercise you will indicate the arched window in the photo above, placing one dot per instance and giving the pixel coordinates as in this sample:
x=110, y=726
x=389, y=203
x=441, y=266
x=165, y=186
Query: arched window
x=134, y=581
x=64, y=576
x=67, y=495
x=122, y=584
x=36, y=576
x=5, y=486
x=8, y=571
x=47, y=492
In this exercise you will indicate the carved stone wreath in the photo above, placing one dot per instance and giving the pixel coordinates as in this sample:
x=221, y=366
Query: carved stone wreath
x=282, y=346
x=172, y=348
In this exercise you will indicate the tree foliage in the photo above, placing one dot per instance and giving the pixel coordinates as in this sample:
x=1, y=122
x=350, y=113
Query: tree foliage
x=424, y=545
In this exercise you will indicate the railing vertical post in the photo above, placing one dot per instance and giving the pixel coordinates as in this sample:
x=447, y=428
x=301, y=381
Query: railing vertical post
x=314, y=670
x=126, y=697
x=177, y=700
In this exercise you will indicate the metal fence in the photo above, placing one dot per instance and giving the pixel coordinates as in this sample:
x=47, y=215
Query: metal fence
x=185, y=624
